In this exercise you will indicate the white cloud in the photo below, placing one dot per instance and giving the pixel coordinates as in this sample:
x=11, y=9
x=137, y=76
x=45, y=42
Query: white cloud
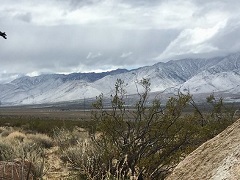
x=93, y=56
x=32, y=74
x=124, y=55
x=112, y=13
x=194, y=40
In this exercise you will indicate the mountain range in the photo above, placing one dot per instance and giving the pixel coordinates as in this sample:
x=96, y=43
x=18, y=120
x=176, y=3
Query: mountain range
x=198, y=76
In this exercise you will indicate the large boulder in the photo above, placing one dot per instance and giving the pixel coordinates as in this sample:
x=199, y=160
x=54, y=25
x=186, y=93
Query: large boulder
x=216, y=159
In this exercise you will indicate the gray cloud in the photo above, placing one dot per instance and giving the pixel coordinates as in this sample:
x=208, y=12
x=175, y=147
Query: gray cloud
x=80, y=3
x=75, y=4
x=26, y=17
x=63, y=48
x=228, y=38
x=89, y=35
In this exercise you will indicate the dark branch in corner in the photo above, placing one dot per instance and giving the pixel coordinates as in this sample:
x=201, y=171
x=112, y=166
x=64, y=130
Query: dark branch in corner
x=3, y=34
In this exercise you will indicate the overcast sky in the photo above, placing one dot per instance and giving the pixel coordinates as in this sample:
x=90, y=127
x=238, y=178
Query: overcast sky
x=63, y=36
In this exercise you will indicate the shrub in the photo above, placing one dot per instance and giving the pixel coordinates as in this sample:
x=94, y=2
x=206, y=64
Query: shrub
x=42, y=140
x=2, y=129
x=6, y=151
x=65, y=138
x=17, y=146
x=83, y=157
x=5, y=131
x=16, y=135
x=35, y=154
x=145, y=142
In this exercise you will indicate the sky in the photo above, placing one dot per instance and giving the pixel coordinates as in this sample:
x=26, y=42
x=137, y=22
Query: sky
x=64, y=36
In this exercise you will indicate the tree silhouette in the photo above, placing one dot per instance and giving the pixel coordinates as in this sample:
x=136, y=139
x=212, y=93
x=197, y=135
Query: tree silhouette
x=3, y=34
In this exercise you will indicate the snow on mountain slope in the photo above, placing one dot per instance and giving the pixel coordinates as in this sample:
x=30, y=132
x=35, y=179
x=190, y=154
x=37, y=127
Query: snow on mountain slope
x=206, y=82
x=220, y=74
x=51, y=88
x=228, y=63
x=68, y=91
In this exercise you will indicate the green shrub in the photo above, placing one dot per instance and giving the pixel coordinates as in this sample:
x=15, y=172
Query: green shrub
x=145, y=142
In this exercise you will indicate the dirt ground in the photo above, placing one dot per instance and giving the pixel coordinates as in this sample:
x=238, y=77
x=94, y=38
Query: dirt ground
x=71, y=114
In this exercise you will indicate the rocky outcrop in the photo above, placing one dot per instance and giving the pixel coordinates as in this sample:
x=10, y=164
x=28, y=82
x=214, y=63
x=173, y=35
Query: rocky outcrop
x=217, y=159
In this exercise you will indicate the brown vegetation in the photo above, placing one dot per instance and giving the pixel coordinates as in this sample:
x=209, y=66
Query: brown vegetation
x=17, y=170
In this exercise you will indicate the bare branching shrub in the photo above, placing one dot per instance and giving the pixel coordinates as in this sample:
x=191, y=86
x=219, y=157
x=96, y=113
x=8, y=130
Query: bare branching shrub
x=65, y=138
x=76, y=147
x=83, y=158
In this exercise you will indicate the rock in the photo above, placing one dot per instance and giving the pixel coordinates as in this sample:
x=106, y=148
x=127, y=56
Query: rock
x=216, y=159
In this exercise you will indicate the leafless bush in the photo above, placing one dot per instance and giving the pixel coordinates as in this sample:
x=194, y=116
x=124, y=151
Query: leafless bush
x=65, y=138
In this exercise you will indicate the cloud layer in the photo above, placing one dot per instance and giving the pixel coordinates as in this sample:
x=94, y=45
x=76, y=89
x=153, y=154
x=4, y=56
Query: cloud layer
x=96, y=35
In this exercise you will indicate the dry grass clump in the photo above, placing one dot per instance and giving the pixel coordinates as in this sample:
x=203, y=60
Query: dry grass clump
x=42, y=139
x=83, y=158
x=2, y=129
x=6, y=150
x=35, y=154
x=74, y=149
x=76, y=152
x=5, y=131
x=70, y=146
x=19, y=146
x=16, y=135
x=86, y=161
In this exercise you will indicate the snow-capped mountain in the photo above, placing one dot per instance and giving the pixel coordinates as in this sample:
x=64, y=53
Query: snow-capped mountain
x=220, y=74
x=223, y=76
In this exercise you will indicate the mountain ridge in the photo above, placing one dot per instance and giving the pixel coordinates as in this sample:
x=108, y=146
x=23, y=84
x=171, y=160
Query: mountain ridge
x=199, y=75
